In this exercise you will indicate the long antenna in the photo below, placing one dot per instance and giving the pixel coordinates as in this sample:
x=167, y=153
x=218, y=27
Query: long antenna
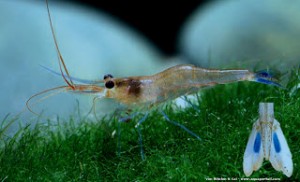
x=60, y=58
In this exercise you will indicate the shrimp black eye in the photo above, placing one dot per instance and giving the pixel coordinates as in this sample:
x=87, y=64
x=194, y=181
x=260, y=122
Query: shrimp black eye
x=107, y=76
x=109, y=84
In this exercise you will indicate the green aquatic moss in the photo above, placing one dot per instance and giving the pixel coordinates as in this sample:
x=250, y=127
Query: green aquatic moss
x=94, y=151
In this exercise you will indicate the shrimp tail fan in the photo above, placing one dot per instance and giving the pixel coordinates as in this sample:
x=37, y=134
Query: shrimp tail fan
x=267, y=77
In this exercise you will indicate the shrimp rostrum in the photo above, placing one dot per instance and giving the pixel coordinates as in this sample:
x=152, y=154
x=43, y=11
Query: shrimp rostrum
x=147, y=91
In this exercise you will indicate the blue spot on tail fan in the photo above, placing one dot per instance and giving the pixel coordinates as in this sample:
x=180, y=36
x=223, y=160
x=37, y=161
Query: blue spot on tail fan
x=276, y=143
x=257, y=143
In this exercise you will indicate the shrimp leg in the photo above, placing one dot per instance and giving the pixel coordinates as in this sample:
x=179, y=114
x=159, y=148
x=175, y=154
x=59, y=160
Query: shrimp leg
x=140, y=134
x=137, y=126
x=180, y=125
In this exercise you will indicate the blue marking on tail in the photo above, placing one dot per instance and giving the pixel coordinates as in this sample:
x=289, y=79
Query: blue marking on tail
x=266, y=73
x=257, y=143
x=266, y=77
x=276, y=143
x=268, y=82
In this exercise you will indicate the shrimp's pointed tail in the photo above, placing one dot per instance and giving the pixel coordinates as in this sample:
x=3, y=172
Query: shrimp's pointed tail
x=266, y=77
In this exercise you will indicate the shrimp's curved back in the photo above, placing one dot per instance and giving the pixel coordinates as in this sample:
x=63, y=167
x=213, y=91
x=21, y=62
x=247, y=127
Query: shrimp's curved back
x=171, y=83
x=187, y=79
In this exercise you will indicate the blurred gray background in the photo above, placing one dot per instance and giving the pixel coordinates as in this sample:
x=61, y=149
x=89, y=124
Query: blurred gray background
x=249, y=34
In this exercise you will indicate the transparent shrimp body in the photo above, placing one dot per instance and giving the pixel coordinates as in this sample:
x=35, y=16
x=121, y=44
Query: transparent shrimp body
x=170, y=84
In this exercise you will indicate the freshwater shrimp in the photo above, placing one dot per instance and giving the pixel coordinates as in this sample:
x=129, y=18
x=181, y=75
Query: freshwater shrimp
x=147, y=91
x=144, y=92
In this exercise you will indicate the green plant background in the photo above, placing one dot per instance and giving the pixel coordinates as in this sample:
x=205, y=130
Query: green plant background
x=93, y=151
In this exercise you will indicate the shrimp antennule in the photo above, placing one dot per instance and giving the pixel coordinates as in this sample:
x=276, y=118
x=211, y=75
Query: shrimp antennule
x=74, y=78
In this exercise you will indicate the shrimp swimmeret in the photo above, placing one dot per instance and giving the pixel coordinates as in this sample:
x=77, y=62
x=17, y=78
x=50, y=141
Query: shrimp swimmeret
x=147, y=91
